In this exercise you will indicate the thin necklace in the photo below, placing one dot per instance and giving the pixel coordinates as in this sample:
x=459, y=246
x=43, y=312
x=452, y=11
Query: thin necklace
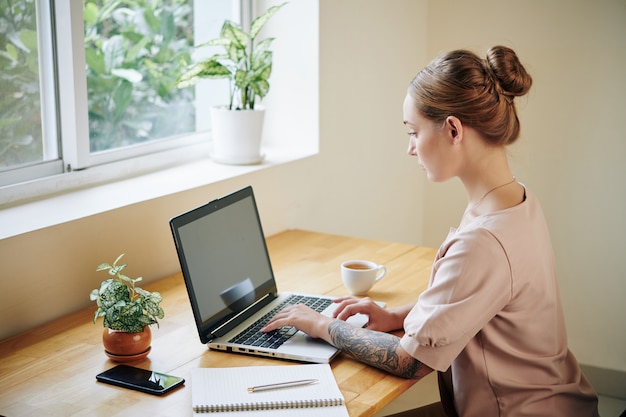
x=473, y=206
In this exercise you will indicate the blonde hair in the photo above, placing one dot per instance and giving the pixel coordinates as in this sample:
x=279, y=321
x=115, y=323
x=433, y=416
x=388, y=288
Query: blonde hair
x=480, y=92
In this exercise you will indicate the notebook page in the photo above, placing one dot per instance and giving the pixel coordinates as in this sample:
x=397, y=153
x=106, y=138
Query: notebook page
x=228, y=387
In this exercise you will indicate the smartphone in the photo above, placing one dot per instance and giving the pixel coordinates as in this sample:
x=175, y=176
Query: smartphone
x=143, y=380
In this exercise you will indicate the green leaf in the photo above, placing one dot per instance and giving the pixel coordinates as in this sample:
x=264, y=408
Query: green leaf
x=122, y=97
x=130, y=75
x=97, y=313
x=12, y=51
x=125, y=278
x=29, y=39
x=235, y=53
x=107, y=10
x=151, y=19
x=151, y=307
x=95, y=61
x=32, y=62
x=117, y=268
x=132, y=53
x=112, y=293
x=215, y=42
x=263, y=46
x=143, y=321
x=168, y=26
x=113, y=313
x=164, y=55
x=206, y=69
x=260, y=21
x=261, y=63
x=233, y=32
x=102, y=267
x=90, y=13
x=118, y=259
x=142, y=293
x=260, y=87
x=241, y=79
x=156, y=297
x=105, y=285
x=113, y=49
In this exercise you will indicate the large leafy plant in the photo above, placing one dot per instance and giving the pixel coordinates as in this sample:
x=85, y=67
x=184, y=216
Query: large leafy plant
x=122, y=305
x=245, y=62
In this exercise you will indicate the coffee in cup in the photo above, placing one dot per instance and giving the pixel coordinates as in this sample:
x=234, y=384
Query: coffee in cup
x=359, y=276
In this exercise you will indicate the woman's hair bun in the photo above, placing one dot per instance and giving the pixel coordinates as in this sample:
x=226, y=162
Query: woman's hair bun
x=508, y=71
x=479, y=91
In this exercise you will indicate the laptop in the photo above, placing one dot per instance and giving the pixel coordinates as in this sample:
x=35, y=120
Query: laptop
x=231, y=285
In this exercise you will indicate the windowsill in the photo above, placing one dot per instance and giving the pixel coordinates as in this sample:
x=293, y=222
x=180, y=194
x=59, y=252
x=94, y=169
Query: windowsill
x=79, y=194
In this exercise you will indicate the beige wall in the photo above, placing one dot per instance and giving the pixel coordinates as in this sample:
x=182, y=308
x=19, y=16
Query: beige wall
x=572, y=154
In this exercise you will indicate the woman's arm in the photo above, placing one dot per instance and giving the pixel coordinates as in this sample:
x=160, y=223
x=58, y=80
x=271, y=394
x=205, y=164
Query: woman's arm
x=381, y=350
x=375, y=348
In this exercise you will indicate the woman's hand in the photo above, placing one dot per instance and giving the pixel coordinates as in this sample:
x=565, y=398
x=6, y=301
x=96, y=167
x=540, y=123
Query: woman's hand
x=302, y=318
x=316, y=325
x=380, y=319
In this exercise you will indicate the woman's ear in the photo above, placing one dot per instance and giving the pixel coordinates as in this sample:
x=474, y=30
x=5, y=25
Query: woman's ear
x=454, y=129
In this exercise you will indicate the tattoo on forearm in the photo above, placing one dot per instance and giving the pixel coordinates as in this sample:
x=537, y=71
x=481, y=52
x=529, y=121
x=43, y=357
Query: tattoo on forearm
x=376, y=349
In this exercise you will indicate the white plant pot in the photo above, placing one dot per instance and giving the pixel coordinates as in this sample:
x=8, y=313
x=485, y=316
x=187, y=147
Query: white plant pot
x=237, y=135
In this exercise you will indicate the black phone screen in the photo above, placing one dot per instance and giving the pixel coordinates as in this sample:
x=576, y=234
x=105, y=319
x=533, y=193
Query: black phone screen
x=140, y=379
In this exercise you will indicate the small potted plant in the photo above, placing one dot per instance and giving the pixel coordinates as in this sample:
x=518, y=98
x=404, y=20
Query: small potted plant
x=127, y=313
x=247, y=64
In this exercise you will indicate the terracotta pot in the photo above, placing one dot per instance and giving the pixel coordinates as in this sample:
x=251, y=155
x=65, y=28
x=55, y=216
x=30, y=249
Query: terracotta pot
x=126, y=347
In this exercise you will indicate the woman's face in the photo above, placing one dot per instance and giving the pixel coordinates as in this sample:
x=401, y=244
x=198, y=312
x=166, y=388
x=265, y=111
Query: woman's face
x=429, y=142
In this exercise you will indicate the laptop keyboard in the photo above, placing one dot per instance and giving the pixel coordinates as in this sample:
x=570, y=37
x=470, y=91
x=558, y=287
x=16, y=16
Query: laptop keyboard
x=252, y=336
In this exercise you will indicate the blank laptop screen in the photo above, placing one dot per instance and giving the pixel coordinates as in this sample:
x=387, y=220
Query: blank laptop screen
x=226, y=259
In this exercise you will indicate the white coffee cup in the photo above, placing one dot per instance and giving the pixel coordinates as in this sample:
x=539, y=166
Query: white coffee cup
x=359, y=276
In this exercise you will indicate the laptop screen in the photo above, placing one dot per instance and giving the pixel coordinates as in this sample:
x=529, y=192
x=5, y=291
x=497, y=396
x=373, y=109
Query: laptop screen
x=223, y=258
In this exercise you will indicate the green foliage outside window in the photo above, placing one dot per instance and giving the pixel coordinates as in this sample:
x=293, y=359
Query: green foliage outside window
x=135, y=50
x=20, y=115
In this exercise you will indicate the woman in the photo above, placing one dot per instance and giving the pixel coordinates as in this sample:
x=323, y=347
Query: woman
x=490, y=321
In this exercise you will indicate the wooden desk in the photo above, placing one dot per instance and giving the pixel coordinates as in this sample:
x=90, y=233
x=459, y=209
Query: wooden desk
x=50, y=370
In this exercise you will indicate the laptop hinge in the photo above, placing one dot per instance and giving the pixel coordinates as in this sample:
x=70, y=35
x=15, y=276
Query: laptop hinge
x=244, y=314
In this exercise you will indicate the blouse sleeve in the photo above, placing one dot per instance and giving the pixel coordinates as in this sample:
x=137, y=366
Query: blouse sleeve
x=470, y=283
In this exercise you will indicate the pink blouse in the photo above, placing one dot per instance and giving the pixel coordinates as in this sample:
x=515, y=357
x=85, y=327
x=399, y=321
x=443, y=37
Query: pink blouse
x=491, y=321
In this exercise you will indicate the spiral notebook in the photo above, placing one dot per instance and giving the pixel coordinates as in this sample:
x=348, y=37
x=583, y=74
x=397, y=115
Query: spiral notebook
x=226, y=391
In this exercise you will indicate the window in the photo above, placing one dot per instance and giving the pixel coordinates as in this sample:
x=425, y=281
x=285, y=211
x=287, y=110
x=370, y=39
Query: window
x=94, y=81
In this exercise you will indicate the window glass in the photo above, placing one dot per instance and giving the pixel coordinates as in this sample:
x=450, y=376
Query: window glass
x=21, y=137
x=134, y=52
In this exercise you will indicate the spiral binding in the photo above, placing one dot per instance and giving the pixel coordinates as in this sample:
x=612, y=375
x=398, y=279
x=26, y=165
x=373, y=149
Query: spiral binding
x=268, y=405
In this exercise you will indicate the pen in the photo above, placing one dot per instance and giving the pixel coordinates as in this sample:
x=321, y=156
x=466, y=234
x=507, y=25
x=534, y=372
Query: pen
x=283, y=385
